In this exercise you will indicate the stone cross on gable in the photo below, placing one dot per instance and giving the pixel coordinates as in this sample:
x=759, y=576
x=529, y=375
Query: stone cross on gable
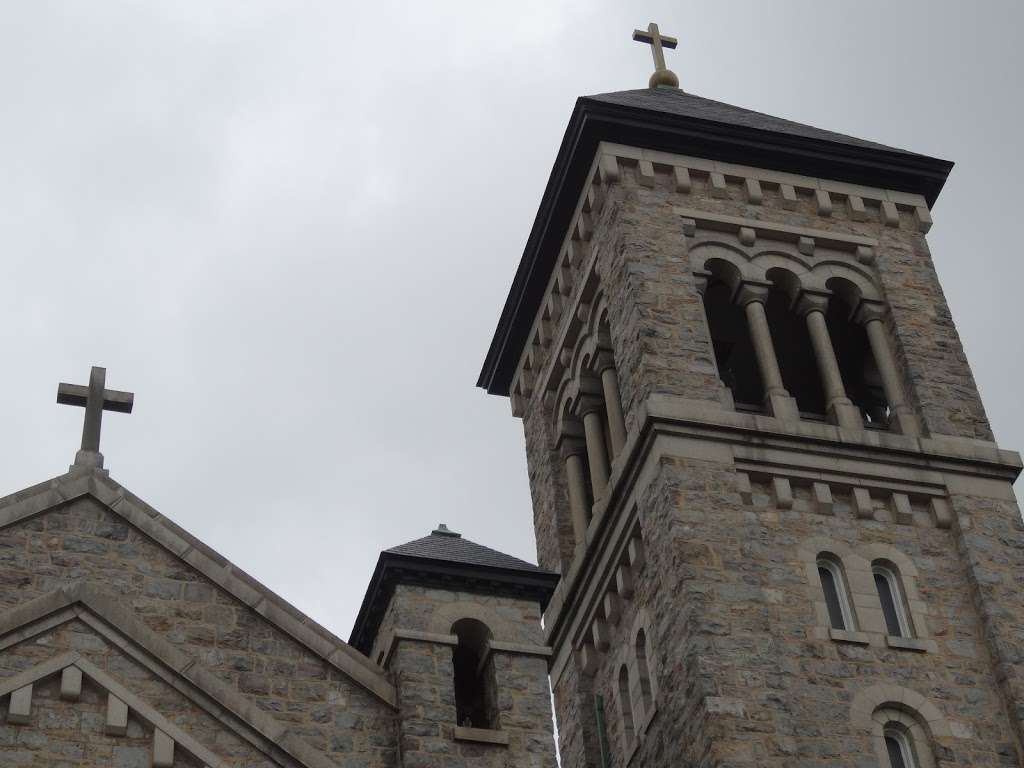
x=96, y=399
x=662, y=77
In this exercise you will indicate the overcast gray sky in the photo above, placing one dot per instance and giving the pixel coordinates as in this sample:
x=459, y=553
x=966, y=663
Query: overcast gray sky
x=289, y=228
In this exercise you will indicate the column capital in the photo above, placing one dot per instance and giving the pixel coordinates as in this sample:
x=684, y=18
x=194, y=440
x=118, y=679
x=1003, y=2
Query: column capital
x=752, y=291
x=603, y=361
x=701, y=278
x=571, y=445
x=586, y=404
x=869, y=310
x=811, y=301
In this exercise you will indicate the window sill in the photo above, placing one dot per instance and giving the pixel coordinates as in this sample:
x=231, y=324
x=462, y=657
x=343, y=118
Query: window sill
x=845, y=636
x=907, y=643
x=482, y=736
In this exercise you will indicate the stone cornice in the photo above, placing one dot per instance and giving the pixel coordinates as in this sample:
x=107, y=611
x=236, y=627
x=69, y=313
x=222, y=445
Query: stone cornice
x=590, y=157
x=247, y=590
x=929, y=467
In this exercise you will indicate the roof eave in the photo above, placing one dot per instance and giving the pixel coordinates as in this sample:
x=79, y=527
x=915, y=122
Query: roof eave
x=593, y=122
x=395, y=569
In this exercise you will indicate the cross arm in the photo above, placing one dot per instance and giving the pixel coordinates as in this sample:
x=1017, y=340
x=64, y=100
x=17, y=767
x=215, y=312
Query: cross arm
x=113, y=400
x=643, y=36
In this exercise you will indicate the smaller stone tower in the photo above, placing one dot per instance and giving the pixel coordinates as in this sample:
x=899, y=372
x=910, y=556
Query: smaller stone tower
x=457, y=627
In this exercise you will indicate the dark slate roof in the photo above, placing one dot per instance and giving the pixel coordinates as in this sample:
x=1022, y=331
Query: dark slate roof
x=674, y=101
x=446, y=545
x=446, y=560
x=670, y=120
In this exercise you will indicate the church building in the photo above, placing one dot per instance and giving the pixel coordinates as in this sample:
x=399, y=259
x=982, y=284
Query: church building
x=773, y=525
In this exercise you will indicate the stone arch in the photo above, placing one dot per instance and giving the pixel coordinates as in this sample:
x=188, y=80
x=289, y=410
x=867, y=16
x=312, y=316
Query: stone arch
x=884, y=696
x=643, y=657
x=473, y=672
x=772, y=258
x=445, y=616
x=711, y=256
x=829, y=271
x=856, y=573
x=907, y=573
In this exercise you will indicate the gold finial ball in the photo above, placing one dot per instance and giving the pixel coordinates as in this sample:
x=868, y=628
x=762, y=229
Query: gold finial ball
x=664, y=78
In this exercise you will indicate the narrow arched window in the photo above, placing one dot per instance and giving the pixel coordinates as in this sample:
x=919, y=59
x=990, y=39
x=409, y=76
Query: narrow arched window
x=732, y=345
x=890, y=595
x=475, y=695
x=899, y=747
x=643, y=669
x=626, y=709
x=833, y=585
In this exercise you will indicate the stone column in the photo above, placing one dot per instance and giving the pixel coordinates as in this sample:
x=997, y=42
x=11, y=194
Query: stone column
x=871, y=314
x=752, y=297
x=612, y=401
x=574, y=453
x=842, y=411
x=589, y=408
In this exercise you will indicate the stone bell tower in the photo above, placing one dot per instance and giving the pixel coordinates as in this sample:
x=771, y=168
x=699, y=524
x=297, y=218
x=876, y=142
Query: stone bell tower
x=757, y=455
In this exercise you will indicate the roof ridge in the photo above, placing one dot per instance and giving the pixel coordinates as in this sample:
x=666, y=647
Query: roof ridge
x=645, y=98
x=444, y=546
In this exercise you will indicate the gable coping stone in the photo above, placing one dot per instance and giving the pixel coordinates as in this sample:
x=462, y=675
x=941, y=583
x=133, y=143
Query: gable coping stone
x=332, y=649
x=102, y=612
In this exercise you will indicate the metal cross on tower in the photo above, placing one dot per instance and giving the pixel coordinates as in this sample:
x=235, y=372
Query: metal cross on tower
x=95, y=399
x=662, y=75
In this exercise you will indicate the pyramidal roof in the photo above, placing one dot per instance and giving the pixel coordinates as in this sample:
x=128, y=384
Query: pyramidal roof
x=674, y=101
x=671, y=120
x=445, y=560
x=443, y=544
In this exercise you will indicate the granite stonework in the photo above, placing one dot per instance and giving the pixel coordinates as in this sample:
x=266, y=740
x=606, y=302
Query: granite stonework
x=101, y=594
x=416, y=646
x=725, y=503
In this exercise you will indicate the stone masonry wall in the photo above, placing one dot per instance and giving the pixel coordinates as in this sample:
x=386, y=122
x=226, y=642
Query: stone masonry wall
x=72, y=733
x=657, y=320
x=424, y=676
x=741, y=679
x=84, y=541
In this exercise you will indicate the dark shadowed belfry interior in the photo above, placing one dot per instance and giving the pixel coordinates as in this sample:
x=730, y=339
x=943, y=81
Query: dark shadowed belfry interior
x=773, y=525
